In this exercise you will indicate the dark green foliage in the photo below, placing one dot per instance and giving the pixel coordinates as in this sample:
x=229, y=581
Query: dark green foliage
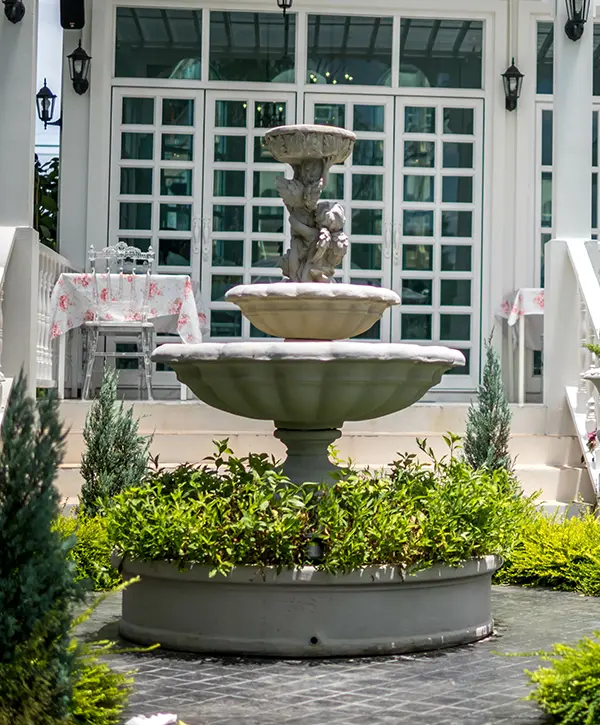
x=37, y=587
x=244, y=512
x=488, y=421
x=45, y=208
x=116, y=455
x=92, y=550
x=556, y=553
x=569, y=689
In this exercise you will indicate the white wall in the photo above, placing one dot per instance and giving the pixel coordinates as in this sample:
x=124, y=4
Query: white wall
x=49, y=66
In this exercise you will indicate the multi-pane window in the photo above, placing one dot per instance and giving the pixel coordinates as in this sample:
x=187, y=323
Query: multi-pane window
x=545, y=58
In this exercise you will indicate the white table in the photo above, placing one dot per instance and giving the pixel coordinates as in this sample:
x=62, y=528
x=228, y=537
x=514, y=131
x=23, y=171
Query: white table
x=172, y=306
x=526, y=302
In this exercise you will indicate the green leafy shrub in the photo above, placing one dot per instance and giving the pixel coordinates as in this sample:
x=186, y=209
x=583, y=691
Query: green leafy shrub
x=37, y=586
x=569, y=690
x=116, y=455
x=234, y=512
x=91, y=552
x=561, y=554
x=488, y=420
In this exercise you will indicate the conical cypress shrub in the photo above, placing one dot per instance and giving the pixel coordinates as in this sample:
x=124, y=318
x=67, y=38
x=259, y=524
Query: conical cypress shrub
x=488, y=420
x=37, y=586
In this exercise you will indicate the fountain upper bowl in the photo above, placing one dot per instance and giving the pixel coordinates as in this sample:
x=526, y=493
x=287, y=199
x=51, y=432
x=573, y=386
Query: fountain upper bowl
x=309, y=385
x=312, y=311
x=295, y=144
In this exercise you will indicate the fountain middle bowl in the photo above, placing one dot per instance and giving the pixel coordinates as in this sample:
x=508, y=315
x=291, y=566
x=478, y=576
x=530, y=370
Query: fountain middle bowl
x=309, y=385
x=312, y=311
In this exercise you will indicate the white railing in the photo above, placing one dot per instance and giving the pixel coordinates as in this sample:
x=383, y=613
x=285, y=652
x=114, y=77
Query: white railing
x=51, y=266
x=573, y=318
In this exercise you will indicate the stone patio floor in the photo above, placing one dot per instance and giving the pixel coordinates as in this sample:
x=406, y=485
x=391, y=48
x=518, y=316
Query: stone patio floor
x=472, y=685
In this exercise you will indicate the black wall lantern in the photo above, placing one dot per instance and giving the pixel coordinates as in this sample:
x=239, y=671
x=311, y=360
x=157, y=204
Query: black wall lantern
x=45, y=100
x=577, y=13
x=79, y=67
x=284, y=5
x=513, y=81
x=14, y=10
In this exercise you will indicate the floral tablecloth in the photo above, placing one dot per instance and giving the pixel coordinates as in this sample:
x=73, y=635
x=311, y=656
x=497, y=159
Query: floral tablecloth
x=527, y=301
x=172, y=304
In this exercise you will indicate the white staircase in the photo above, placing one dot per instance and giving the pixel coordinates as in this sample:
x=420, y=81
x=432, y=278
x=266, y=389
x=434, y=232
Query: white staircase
x=184, y=432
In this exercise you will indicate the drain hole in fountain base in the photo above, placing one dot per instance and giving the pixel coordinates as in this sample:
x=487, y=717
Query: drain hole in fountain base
x=314, y=640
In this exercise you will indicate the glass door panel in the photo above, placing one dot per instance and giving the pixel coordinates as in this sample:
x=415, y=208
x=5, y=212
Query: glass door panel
x=437, y=227
x=244, y=228
x=156, y=190
x=364, y=186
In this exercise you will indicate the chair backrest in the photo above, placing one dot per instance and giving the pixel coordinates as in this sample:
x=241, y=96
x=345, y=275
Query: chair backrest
x=123, y=261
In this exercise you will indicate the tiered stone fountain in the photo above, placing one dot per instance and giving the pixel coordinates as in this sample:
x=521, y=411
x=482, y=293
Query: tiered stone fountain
x=309, y=384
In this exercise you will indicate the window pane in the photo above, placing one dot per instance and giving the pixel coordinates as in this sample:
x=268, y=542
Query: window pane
x=441, y=53
x=266, y=254
x=545, y=57
x=367, y=221
x=459, y=121
x=367, y=187
x=268, y=114
x=457, y=223
x=135, y=216
x=221, y=284
x=230, y=148
x=594, y=201
x=458, y=155
x=367, y=153
x=178, y=112
x=229, y=183
x=137, y=146
x=416, y=291
x=466, y=368
x=348, y=49
x=136, y=181
x=417, y=257
x=419, y=154
x=255, y=332
x=547, y=138
x=546, y=199
x=231, y=114
x=455, y=292
x=455, y=327
x=545, y=239
x=369, y=118
x=456, y=258
x=228, y=218
x=365, y=256
x=457, y=189
x=267, y=219
x=174, y=252
x=177, y=147
x=418, y=188
x=419, y=119
x=330, y=114
x=228, y=252
x=176, y=217
x=252, y=47
x=176, y=182
x=373, y=333
x=264, y=184
x=418, y=223
x=138, y=111
x=262, y=155
x=416, y=327
x=158, y=43
x=334, y=188
x=225, y=323
x=369, y=282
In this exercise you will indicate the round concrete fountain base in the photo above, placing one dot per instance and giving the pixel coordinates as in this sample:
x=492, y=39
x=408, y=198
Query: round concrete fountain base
x=307, y=613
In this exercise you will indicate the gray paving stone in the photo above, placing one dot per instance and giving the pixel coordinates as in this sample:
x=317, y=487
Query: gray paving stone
x=472, y=685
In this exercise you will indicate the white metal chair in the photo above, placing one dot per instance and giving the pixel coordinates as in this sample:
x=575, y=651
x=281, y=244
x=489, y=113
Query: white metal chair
x=111, y=311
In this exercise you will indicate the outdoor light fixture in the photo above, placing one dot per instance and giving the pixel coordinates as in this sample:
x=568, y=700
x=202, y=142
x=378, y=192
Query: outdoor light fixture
x=284, y=5
x=577, y=12
x=14, y=10
x=79, y=67
x=45, y=101
x=513, y=80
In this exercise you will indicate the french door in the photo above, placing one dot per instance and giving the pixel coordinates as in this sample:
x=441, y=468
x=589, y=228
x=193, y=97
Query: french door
x=244, y=227
x=436, y=260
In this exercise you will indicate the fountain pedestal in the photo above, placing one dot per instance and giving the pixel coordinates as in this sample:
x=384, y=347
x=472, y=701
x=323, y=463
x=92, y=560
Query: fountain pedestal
x=307, y=454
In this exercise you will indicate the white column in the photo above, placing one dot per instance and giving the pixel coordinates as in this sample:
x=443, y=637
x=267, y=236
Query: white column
x=18, y=61
x=572, y=193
